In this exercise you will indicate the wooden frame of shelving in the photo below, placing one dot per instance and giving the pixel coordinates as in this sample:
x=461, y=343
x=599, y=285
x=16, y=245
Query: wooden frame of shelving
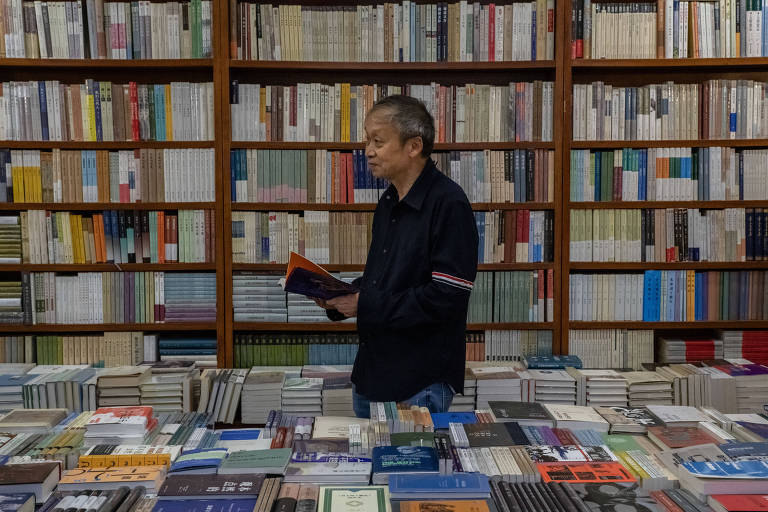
x=632, y=72
x=220, y=69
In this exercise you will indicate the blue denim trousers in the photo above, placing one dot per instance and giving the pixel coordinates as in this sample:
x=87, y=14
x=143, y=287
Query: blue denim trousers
x=436, y=397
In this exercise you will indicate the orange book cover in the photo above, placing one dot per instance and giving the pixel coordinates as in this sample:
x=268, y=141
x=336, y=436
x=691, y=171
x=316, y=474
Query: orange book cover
x=104, y=478
x=444, y=506
x=311, y=280
x=584, y=472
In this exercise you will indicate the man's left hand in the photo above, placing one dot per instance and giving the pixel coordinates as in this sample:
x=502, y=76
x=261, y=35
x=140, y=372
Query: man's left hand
x=345, y=304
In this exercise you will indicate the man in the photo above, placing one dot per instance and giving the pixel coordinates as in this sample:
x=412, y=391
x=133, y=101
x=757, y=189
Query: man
x=412, y=305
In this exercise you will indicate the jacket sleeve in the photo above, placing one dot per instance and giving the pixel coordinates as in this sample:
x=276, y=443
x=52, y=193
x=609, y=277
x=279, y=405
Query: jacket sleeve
x=334, y=314
x=453, y=255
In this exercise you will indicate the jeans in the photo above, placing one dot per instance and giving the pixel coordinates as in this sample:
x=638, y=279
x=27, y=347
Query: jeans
x=436, y=397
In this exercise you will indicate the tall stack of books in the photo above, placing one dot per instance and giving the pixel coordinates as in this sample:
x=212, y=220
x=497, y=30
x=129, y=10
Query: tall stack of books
x=168, y=392
x=121, y=386
x=258, y=298
x=10, y=241
x=600, y=387
x=648, y=388
x=337, y=387
x=303, y=396
x=262, y=392
x=554, y=386
x=497, y=383
x=465, y=401
x=190, y=297
x=119, y=425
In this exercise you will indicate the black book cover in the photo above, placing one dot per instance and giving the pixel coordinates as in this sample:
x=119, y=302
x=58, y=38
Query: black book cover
x=515, y=432
x=616, y=496
x=512, y=411
x=483, y=435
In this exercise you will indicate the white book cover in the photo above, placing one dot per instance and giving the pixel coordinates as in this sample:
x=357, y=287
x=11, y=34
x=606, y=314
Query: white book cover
x=671, y=415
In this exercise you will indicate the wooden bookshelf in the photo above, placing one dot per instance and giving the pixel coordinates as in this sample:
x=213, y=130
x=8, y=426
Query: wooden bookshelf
x=138, y=64
x=61, y=328
x=108, y=267
x=141, y=144
x=359, y=268
x=351, y=326
x=394, y=66
x=349, y=146
x=90, y=207
x=369, y=207
x=637, y=72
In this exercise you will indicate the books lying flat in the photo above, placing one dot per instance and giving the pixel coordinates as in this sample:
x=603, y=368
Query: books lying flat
x=328, y=468
x=39, y=478
x=31, y=420
x=198, y=487
x=20, y=502
x=272, y=461
x=373, y=498
x=110, y=421
x=627, y=419
x=577, y=417
x=392, y=460
x=196, y=462
x=100, y=479
x=456, y=486
x=524, y=413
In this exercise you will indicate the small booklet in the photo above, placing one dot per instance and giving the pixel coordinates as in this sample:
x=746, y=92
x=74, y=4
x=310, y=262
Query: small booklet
x=311, y=280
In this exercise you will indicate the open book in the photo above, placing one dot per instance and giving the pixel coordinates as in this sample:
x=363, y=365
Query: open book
x=311, y=280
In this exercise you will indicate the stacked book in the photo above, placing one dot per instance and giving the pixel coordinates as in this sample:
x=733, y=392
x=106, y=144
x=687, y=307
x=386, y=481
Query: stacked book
x=190, y=297
x=465, y=401
x=11, y=390
x=496, y=383
x=262, y=392
x=337, y=387
x=304, y=309
x=199, y=349
x=600, y=387
x=647, y=387
x=751, y=385
x=10, y=244
x=303, y=396
x=752, y=345
x=63, y=387
x=11, y=292
x=687, y=350
x=168, y=391
x=258, y=298
x=119, y=425
x=553, y=386
x=121, y=385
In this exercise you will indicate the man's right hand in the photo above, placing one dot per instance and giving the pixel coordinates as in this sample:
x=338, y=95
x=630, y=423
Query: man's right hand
x=322, y=303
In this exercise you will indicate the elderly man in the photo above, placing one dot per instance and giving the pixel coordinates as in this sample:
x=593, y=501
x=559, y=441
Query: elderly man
x=412, y=305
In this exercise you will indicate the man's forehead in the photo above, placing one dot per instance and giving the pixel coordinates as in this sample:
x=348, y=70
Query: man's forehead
x=376, y=123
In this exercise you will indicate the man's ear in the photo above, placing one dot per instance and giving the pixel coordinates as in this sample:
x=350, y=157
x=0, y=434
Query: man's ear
x=415, y=146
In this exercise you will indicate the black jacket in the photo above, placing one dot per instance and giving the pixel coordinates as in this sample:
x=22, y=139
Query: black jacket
x=414, y=292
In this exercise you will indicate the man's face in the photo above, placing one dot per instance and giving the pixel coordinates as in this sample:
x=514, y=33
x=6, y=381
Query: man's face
x=387, y=157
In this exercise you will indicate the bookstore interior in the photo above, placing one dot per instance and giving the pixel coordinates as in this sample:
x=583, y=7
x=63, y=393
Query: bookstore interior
x=164, y=163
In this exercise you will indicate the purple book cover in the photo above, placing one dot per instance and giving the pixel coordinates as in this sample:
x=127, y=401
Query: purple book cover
x=311, y=284
x=549, y=436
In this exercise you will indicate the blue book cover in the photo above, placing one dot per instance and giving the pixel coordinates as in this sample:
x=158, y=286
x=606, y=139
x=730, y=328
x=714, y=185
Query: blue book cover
x=205, y=506
x=14, y=502
x=204, y=460
x=243, y=434
x=233, y=174
x=12, y=382
x=749, y=469
x=464, y=485
x=442, y=419
x=43, y=109
x=745, y=451
x=403, y=459
x=187, y=351
x=533, y=30
x=760, y=429
x=552, y=362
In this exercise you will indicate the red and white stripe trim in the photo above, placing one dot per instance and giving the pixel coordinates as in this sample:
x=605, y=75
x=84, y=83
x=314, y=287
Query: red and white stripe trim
x=452, y=280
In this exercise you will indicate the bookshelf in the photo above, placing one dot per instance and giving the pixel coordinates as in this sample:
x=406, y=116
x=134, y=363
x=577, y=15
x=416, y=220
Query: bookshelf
x=221, y=69
x=639, y=72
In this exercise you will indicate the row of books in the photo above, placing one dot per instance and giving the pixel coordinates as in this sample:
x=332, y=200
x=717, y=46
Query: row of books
x=668, y=174
x=257, y=297
x=314, y=112
x=410, y=32
x=322, y=176
x=294, y=349
x=669, y=29
x=712, y=109
x=515, y=236
x=513, y=345
x=105, y=111
x=324, y=237
x=612, y=348
x=721, y=345
x=113, y=236
x=665, y=235
x=520, y=296
x=668, y=296
x=142, y=175
x=107, y=30
x=109, y=297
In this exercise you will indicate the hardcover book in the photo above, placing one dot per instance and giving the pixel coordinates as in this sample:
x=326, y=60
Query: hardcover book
x=101, y=479
x=524, y=413
x=197, y=487
x=19, y=502
x=458, y=485
x=584, y=472
x=615, y=496
x=391, y=460
x=373, y=498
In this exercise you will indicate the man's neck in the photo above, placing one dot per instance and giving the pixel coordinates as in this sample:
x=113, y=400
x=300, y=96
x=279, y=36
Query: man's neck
x=405, y=181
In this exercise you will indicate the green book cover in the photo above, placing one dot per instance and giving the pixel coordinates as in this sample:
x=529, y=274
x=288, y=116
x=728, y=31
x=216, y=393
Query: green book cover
x=621, y=442
x=412, y=439
x=59, y=350
x=276, y=458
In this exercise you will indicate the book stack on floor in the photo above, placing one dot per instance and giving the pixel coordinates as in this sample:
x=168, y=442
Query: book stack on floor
x=122, y=385
x=262, y=392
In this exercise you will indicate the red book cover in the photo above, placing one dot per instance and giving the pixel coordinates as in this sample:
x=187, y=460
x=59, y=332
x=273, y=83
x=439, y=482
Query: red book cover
x=491, y=32
x=583, y=472
x=550, y=295
x=174, y=236
x=213, y=237
x=114, y=415
x=134, y=97
x=293, y=107
x=565, y=436
x=678, y=437
x=509, y=236
x=161, y=237
x=665, y=501
x=441, y=106
x=208, y=246
x=741, y=502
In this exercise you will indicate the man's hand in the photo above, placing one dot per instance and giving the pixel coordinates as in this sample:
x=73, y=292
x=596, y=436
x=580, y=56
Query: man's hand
x=345, y=304
x=322, y=303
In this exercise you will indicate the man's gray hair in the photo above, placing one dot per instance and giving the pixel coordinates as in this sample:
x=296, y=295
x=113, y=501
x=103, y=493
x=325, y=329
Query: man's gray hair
x=411, y=118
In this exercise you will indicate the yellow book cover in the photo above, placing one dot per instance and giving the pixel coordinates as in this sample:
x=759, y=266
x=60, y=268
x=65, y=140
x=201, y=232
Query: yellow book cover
x=345, y=112
x=168, y=113
x=91, y=116
x=77, y=238
x=109, y=478
x=27, y=176
x=125, y=459
x=137, y=459
x=690, y=305
x=17, y=175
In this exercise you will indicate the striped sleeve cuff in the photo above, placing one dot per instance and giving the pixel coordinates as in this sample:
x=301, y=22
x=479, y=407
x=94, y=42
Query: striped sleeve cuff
x=452, y=281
